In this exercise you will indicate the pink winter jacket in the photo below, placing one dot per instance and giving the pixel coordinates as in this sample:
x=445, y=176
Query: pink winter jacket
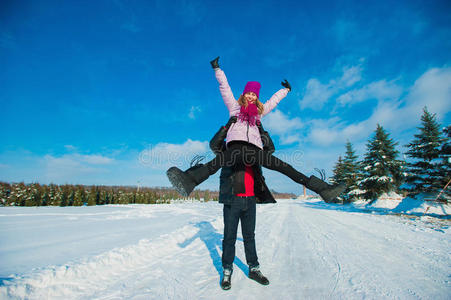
x=241, y=130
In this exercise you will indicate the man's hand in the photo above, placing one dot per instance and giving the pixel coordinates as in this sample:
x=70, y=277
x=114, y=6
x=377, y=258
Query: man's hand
x=230, y=122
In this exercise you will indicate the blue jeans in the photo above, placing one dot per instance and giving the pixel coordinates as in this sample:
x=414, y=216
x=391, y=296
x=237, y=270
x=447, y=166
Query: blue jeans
x=242, y=208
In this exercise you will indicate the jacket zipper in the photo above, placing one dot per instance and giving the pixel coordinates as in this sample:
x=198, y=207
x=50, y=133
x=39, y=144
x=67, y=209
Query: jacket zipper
x=247, y=133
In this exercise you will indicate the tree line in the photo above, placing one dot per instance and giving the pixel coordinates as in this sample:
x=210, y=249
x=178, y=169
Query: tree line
x=35, y=194
x=423, y=172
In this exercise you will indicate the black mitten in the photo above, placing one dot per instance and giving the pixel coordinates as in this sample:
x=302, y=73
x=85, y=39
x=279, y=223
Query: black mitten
x=286, y=84
x=214, y=63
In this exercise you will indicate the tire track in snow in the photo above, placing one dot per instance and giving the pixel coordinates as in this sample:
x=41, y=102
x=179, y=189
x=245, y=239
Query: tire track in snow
x=326, y=242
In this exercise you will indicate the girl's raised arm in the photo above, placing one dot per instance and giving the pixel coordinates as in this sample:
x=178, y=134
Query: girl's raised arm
x=224, y=89
x=274, y=100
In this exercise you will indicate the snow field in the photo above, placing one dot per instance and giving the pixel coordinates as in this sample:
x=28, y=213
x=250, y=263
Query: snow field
x=307, y=249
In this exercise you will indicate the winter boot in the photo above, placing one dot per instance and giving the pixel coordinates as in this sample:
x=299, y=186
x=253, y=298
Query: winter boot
x=328, y=192
x=185, y=182
x=256, y=274
x=226, y=282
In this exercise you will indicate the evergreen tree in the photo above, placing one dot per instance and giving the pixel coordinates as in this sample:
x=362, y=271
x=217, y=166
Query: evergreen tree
x=103, y=197
x=338, y=175
x=382, y=172
x=5, y=191
x=65, y=201
x=70, y=197
x=52, y=191
x=78, y=197
x=347, y=172
x=28, y=197
x=58, y=199
x=425, y=170
x=33, y=197
x=445, y=154
x=207, y=196
x=197, y=195
x=92, y=196
x=352, y=172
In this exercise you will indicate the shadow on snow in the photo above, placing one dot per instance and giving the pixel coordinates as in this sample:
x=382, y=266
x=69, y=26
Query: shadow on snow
x=212, y=240
x=401, y=209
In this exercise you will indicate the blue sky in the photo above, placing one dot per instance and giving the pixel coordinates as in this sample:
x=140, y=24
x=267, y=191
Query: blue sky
x=115, y=92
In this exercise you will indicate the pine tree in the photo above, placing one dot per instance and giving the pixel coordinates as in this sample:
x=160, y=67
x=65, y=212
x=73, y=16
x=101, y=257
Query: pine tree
x=382, y=172
x=338, y=173
x=5, y=191
x=347, y=172
x=64, y=196
x=70, y=197
x=78, y=197
x=33, y=197
x=92, y=196
x=352, y=173
x=425, y=169
x=445, y=154
x=206, y=196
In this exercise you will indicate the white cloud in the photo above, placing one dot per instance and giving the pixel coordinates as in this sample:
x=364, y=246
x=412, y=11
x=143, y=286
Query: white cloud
x=74, y=168
x=70, y=148
x=317, y=93
x=77, y=159
x=381, y=90
x=164, y=155
x=95, y=159
x=332, y=131
x=69, y=166
x=351, y=75
x=431, y=89
x=277, y=123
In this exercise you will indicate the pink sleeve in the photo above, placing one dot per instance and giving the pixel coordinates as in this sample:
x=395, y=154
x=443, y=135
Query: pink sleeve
x=226, y=92
x=275, y=99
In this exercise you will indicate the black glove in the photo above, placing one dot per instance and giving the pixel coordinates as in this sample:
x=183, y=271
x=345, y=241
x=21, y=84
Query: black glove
x=230, y=122
x=286, y=84
x=214, y=63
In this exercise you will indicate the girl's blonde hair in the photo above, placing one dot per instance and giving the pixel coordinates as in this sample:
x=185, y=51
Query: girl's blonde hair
x=243, y=102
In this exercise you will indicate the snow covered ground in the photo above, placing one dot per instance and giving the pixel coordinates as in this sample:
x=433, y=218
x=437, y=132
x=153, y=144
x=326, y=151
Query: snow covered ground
x=308, y=249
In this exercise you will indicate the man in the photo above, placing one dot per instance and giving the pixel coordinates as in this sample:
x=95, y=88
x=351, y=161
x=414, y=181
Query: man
x=241, y=187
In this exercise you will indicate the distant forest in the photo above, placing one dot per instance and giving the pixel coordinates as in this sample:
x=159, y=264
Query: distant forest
x=21, y=194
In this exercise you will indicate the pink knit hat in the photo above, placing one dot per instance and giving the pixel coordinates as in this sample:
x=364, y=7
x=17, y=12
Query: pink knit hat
x=252, y=86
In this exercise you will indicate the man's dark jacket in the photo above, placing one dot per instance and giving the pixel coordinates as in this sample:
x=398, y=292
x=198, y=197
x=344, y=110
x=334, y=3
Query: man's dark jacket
x=232, y=178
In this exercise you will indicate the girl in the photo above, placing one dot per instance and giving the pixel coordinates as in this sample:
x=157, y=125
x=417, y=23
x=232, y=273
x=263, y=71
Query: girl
x=244, y=143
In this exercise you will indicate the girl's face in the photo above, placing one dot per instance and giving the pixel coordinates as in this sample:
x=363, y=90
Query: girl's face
x=250, y=97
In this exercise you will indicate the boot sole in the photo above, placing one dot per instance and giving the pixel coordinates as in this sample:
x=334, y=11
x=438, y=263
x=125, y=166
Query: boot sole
x=256, y=280
x=177, y=177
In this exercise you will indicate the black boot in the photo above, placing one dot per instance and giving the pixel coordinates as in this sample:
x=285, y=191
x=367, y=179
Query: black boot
x=185, y=182
x=328, y=192
x=256, y=274
x=226, y=282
